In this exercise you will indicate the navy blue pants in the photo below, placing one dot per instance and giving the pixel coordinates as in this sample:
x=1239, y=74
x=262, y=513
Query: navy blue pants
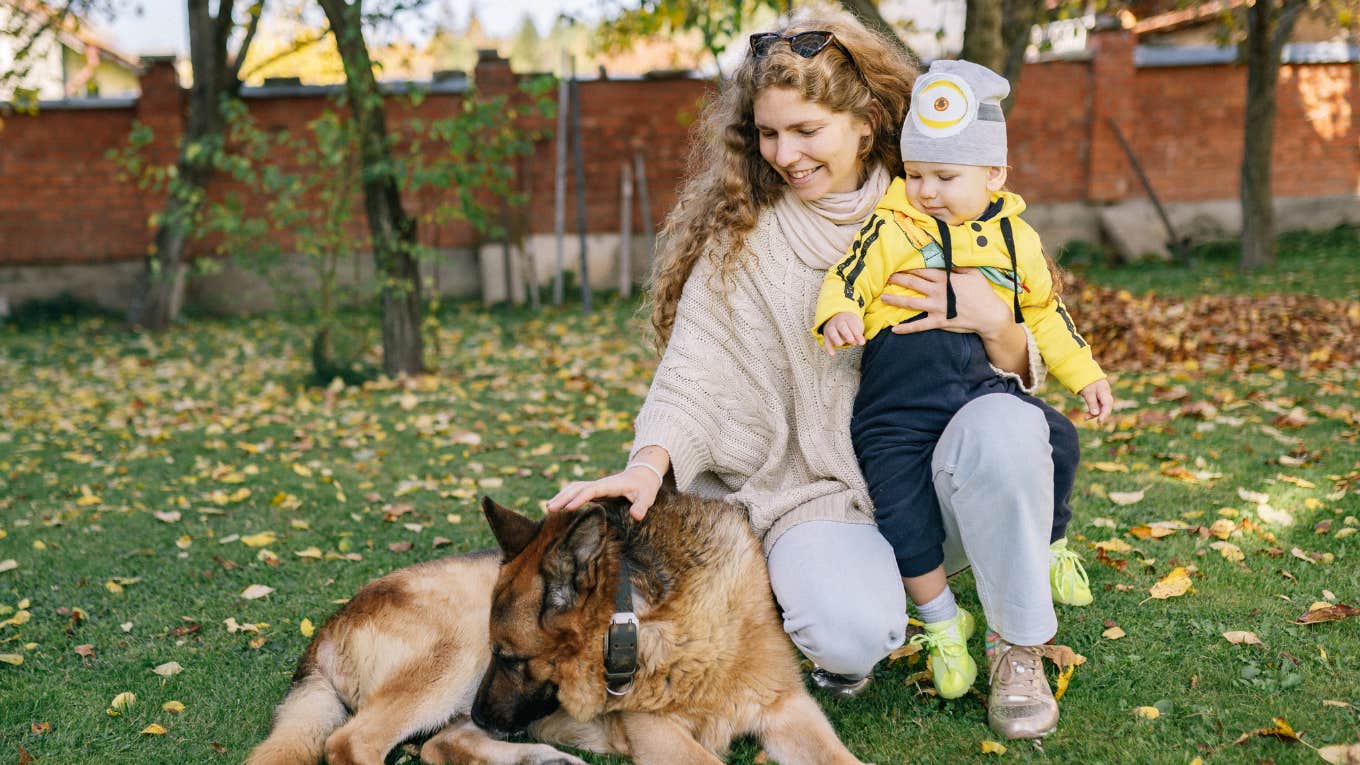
x=910, y=388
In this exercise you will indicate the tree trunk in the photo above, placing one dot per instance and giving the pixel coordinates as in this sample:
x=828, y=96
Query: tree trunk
x=982, y=35
x=1268, y=27
x=392, y=231
x=867, y=12
x=1017, y=20
x=160, y=293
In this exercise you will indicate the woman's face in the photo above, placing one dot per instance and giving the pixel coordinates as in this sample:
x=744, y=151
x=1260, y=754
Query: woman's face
x=814, y=149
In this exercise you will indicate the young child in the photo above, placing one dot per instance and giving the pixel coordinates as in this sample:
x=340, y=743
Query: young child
x=949, y=212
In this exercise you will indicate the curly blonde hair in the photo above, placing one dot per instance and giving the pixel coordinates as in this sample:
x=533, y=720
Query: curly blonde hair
x=730, y=183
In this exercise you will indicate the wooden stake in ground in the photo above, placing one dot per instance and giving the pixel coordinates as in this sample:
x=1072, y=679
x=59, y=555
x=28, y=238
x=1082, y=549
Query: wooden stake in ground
x=580, y=177
x=625, y=230
x=644, y=202
x=507, y=259
x=560, y=179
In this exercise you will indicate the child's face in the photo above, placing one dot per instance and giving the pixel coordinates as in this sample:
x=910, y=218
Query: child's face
x=952, y=193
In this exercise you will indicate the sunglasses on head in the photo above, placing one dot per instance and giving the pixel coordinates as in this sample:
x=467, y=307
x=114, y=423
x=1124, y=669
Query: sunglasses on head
x=805, y=44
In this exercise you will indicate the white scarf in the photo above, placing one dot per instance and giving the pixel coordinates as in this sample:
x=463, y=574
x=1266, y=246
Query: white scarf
x=820, y=231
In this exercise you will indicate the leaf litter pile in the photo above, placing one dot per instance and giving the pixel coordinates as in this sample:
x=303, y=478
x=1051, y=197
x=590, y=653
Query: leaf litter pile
x=179, y=513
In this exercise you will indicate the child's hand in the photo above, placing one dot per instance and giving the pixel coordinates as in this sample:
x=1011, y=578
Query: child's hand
x=1099, y=400
x=845, y=328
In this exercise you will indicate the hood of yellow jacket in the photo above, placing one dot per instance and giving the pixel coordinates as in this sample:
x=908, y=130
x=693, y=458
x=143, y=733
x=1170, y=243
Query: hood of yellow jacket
x=895, y=200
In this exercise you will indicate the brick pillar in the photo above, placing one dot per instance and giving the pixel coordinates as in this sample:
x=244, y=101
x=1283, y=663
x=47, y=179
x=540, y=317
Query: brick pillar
x=492, y=76
x=162, y=105
x=1112, y=89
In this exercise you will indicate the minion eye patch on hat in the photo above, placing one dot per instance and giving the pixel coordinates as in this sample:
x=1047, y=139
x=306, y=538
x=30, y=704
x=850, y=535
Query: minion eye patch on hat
x=942, y=105
x=955, y=116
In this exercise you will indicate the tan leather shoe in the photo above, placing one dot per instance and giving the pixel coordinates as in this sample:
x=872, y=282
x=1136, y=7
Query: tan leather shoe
x=1020, y=705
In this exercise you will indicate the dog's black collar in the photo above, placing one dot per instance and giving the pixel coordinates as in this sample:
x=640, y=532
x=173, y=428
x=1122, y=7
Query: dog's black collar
x=621, y=641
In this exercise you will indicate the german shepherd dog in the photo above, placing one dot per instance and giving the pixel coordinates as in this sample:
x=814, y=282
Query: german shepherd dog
x=468, y=648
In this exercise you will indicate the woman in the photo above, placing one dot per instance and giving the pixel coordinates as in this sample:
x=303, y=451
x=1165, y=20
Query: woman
x=789, y=160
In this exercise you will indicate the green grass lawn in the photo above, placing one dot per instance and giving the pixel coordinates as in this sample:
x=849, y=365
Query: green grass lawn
x=146, y=482
x=1326, y=264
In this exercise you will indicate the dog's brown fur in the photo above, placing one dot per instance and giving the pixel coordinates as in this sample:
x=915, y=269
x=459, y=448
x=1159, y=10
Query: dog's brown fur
x=405, y=657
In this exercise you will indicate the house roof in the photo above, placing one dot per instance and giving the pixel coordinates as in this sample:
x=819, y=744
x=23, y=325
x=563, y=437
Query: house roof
x=1185, y=17
x=74, y=32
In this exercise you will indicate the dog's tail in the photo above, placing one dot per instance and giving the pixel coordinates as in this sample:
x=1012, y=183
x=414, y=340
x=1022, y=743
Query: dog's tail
x=307, y=716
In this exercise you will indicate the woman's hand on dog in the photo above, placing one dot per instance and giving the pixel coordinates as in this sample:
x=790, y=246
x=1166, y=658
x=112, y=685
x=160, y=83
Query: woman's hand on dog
x=638, y=483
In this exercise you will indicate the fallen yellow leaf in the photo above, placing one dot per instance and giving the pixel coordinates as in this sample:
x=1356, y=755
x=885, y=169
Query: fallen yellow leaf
x=1114, y=546
x=1109, y=467
x=1229, y=551
x=173, y=707
x=1239, y=637
x=124, y=700
x=306, y=628
x=12, y=658
x=260, y=540
x=1147, y=713
x=1113, y=633
x=256, y=591
x=992, y=747
x=1064, y=677
x=1280, y=729
x=154, y=729
x=1173, y=585
x=1222, y=528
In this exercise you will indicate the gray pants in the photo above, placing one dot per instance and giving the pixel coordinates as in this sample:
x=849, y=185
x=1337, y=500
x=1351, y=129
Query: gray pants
x=838, y=585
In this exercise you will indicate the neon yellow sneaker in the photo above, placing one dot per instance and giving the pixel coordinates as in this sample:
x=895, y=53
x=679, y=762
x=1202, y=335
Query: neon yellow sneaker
x=1067, y=577
x=947, y=644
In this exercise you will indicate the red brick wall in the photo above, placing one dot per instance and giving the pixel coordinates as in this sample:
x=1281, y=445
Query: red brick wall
x=1189, y=127
x=61, y=201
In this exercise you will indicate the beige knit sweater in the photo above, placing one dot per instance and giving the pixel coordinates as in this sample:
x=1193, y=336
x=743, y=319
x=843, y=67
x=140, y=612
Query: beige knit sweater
x=748, y=406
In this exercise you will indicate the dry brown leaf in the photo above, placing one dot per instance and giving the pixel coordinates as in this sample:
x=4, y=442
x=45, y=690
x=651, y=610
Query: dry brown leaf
x=1326, y=612
x=1113, y=633
x=1239, y=637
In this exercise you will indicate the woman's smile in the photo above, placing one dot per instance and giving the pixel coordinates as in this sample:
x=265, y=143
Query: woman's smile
x=815, y=150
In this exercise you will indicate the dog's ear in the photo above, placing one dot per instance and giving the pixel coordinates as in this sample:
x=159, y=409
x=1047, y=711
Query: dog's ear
x=570, y=565
x=513, y=531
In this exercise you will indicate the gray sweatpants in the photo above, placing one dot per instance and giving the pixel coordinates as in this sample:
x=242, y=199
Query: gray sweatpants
x=838, y=585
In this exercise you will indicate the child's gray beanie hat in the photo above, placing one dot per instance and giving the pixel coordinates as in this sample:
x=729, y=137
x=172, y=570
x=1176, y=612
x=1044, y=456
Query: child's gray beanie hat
x=955, y=116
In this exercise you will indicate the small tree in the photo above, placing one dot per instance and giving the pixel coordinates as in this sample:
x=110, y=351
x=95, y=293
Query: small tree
x=1269, y=24
x=216, y=81
x=392, y=232
x=311, y=184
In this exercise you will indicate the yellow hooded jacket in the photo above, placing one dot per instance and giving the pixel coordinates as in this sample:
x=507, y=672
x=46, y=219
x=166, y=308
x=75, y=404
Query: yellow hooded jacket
x=898, y=237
